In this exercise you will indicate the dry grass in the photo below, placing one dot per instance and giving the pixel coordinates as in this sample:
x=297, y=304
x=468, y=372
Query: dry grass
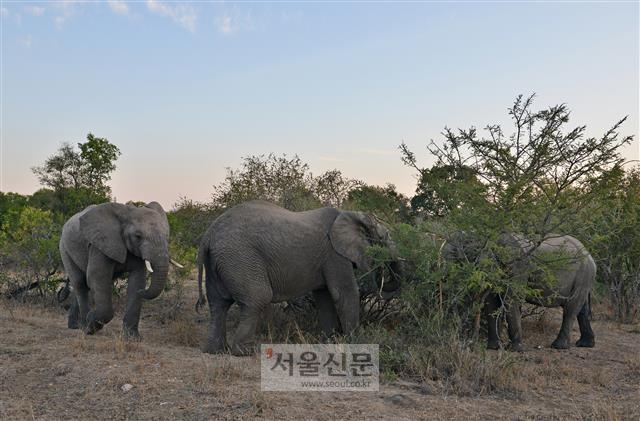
x=50, y=372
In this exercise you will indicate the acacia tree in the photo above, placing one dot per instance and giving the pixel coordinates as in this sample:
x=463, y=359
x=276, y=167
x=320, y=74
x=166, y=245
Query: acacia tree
x=534, y=181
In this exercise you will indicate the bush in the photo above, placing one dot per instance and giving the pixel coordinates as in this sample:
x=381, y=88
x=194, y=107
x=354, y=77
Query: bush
x=29, y=256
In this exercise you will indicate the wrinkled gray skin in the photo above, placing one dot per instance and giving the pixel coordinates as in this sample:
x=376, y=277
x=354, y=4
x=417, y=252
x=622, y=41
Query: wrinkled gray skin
x=105, y=241
x=258, y=253
x=575, y=279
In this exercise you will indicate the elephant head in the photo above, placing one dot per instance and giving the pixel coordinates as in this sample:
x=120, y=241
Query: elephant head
x=121, y=230
x=352, y=233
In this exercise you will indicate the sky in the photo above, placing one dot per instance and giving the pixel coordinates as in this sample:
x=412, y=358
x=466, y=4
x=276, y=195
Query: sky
x=187, y=89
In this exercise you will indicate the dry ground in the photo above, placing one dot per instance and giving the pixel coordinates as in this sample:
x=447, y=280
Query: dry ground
x=50, y=372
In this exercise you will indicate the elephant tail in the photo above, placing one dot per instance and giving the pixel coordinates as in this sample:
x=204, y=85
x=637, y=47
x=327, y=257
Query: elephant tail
x=203, y=252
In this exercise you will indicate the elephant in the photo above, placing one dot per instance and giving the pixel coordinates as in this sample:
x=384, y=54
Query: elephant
x=105, y=241
x=258, y=253
x=574, y=272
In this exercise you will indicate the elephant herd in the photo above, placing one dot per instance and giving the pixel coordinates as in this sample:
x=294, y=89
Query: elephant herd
x=258, y=253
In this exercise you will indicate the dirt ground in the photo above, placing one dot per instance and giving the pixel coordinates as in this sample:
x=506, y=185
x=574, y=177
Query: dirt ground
x=50, y=372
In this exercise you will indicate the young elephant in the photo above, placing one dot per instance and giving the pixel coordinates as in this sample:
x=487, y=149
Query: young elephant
x=258, y=253
x=101, y=243
x=575, y=276
x=574, y=271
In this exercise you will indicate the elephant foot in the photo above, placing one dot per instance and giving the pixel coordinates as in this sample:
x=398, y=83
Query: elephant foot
x=516, y=347
x=131, y=334
x=243, y=350
x=73, y=324
x=215, y=348
x=93, y=326
x=560, y=344
x=493, y=345
x=586, y=342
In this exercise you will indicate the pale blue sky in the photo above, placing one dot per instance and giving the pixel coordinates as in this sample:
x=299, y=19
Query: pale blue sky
x=186, y=89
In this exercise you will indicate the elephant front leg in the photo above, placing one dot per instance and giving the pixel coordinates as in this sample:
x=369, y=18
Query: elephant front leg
x=492, y=308
x=134, y=303
x=327, y=315
x=343, y=288
x=514, y=325
x=100, y=280
x=73, y=317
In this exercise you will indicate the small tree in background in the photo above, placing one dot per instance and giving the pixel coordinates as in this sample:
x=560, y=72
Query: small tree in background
x=284, y=181
x=78, y=178
x=385, y=202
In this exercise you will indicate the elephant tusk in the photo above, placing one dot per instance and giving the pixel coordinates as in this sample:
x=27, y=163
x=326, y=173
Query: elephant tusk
x=381, y=285
x=148, y=265
x=176, y=264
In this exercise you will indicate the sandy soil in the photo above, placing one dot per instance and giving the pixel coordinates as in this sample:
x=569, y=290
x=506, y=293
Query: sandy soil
x=50, y=372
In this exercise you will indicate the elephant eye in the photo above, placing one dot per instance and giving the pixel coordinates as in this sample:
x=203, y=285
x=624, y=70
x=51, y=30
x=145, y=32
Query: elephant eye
x=138, y=235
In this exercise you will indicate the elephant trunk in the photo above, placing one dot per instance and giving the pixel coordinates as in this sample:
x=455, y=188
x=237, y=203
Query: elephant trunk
x=396, y=268
x=160, y=265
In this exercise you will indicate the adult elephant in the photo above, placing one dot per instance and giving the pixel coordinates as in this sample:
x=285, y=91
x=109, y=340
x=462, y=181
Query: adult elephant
x=571, y=266
x=258, y=253
x=103, y=242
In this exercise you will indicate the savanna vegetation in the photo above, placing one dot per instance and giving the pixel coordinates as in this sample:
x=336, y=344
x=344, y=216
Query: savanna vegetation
x=542, y=175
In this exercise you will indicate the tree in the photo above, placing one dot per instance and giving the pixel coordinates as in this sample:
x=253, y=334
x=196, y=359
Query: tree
x=534, y=181
x=99, y=157
x=29, y=254
x=385, y=202
x=78, y=178
x=281, y=180
x=611, y=227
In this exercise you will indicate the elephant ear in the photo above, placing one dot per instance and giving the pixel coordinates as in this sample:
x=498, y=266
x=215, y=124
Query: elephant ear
x=348, y=236
x=156, y=207
x=102, y=227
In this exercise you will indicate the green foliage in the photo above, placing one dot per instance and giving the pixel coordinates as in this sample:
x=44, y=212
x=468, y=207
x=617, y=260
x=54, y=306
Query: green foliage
x=533, y=182
x=384, y=202
x=281, y=180
x=98, y=157
x=29, y=248
x=188, y=221
x=76, y=179
x=612, y=232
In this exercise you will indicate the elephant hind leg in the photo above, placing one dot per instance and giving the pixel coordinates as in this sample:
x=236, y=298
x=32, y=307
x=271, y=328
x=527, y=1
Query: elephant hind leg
x=253, y=294
x=77, y=315
x=569, y=314
x=217, y=337
x=587, y=337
